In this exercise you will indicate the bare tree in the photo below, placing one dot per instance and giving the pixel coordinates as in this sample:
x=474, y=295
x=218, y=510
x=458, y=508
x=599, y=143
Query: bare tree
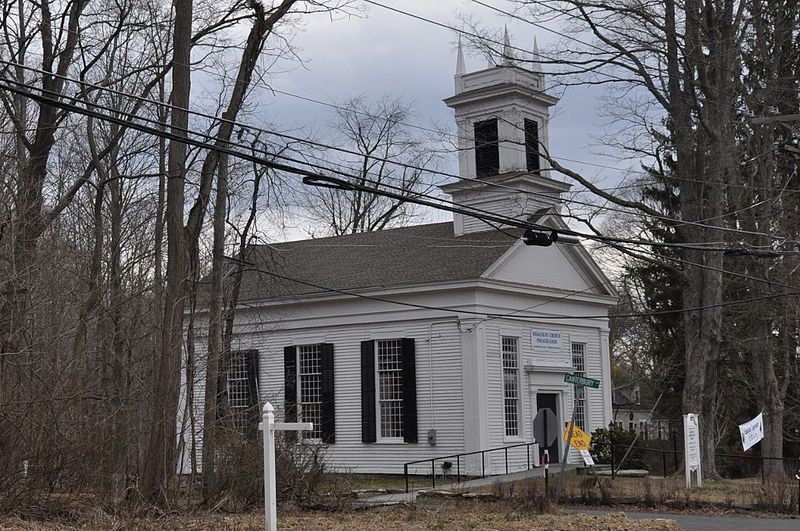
x=383, y=153
x=685, y=58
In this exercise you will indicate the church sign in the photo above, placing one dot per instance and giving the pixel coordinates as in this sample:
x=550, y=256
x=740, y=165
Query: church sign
x=546, y=340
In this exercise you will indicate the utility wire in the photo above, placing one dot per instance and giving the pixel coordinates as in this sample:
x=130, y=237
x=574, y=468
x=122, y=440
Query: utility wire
x=249, y=266
x=377, y=158
x=330, y=182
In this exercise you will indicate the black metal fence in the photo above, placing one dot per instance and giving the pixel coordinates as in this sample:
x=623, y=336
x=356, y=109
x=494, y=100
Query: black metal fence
x=458, y=457
x=670, y=459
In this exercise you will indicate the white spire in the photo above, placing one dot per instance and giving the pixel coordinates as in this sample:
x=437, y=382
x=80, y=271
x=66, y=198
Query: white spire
x=460, y=70
x=536, y=59
x=507, y=55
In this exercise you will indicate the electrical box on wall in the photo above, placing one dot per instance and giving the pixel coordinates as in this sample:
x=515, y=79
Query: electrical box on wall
x=432, y=437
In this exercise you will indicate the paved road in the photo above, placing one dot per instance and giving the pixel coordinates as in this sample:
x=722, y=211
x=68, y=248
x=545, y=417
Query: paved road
x=695, y=522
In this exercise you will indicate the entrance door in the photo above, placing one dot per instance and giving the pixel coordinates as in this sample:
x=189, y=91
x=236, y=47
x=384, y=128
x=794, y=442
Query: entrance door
x=549, y=401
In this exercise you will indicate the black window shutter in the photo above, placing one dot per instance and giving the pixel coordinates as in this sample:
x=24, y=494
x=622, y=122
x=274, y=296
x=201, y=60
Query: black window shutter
x=251, y=368
x=368, y=434
x=532, y=145
x=409, y=391
x=487, y=149
x=328, y=413
x=290, y=384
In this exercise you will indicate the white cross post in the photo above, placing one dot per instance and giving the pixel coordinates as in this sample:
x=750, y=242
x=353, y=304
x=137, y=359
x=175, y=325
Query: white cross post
x=269, y=427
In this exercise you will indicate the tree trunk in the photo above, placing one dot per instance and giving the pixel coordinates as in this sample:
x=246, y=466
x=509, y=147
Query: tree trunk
x=215, y=330
x=160, y=462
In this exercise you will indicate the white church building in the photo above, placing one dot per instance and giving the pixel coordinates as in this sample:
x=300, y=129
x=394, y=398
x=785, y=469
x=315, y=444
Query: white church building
x=432, y=340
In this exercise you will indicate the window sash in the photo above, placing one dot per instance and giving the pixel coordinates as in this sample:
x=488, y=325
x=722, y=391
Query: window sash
x=579, y=368
x=509, y=349
x=309, y=388
x=238, y=391
x=389, y=389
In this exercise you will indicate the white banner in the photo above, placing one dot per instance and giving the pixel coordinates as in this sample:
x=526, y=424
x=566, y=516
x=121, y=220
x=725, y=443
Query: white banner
x=752, y=431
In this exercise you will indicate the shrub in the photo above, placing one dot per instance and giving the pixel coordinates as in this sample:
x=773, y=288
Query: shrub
x=300, y=471
x=601, y=447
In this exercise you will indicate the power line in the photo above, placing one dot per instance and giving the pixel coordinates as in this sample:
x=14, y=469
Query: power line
x=249, y=266
x=513, y=145
x=356, y=153
x=318, y=179
x=476, y=36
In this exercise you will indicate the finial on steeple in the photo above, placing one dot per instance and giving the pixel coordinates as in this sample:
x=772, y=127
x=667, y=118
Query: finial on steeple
x=536, y=59
x=507, y=55
x=460, y=70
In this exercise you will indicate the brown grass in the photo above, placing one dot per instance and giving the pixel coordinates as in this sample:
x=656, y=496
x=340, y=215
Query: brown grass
x=478, y=516
x=659, y=491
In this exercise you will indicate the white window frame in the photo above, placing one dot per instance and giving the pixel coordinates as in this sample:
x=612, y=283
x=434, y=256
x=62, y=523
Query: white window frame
x=581, y=398
x=518, y=378
x=238, y=395
x=378, y=416
x=316, y=433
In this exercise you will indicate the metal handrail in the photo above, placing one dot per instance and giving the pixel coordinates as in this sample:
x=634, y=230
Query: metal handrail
x=458, y=457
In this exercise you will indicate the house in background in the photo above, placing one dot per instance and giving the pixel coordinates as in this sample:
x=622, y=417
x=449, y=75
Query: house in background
x=439, y=339
x=635, y=413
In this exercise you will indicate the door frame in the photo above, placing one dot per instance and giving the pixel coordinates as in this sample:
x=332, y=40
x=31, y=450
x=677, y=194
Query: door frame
x=559, y=393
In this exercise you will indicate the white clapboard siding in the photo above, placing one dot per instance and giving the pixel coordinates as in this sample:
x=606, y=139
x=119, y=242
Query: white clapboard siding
x=190, y=421
x=441, y=392
x=595, y=416
x=439, y=406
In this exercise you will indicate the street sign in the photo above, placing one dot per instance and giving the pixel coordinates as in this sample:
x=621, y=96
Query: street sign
x=545, y=427
x=580, y=439
x=577, y=379
x=587, y=458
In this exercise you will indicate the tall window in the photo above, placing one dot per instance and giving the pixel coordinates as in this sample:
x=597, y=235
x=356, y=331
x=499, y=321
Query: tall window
x=309, y=381
x=388, y=391
x=242, y=388
x=487, y=151
x=579, y=367
x=389, y=368
x=238, y=395
x=510, y=355
x=532, y=145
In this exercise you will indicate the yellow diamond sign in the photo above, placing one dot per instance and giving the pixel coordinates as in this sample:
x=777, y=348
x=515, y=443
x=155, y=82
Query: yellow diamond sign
x=580, y=439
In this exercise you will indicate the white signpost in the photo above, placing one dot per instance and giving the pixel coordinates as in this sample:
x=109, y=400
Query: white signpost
x=269, y=427
x=752, y=431
x=691, y=448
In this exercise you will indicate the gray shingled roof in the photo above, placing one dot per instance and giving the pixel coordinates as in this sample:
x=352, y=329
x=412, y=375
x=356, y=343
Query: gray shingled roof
x=421, y=254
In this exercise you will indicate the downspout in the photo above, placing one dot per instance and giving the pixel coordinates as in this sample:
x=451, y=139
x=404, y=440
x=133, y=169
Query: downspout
x=430, y=375
x=431, y=409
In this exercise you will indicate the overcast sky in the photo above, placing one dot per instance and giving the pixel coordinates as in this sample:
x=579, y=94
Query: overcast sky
x=386, y=53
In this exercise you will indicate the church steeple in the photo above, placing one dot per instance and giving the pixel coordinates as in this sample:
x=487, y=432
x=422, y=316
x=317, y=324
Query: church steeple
x=460, y=69
x=507, y=53
x=502, y=114
x=536, y=59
